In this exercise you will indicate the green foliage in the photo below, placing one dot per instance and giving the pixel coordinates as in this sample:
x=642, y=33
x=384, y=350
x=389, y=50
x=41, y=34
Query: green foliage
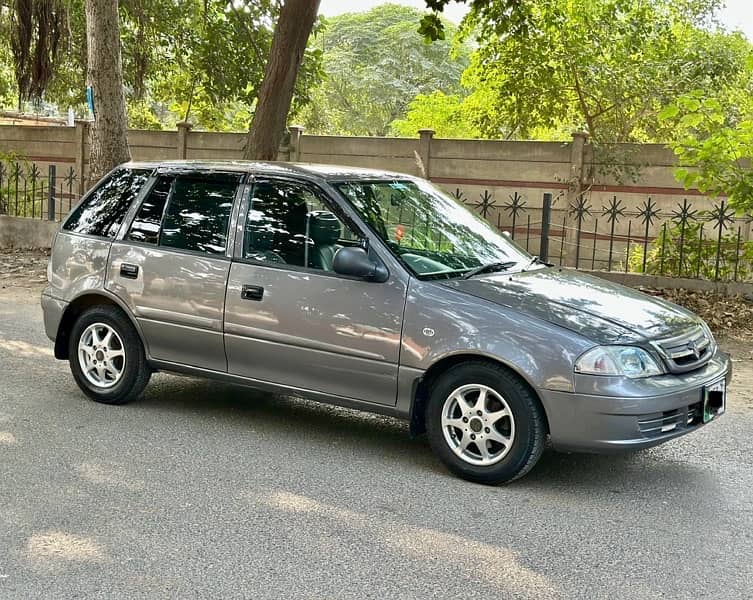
x=376, y=64
x=8, y=89
x=714, y=145
x=141, y=116
x=215, y=53
x=605, y=66
x=679, y=253
x=198, y=59
x=438, y=111
x=507, y=17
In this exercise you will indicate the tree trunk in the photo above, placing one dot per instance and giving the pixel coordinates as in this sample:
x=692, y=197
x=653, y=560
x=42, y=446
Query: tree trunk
x=288, y=45
x=108, y=141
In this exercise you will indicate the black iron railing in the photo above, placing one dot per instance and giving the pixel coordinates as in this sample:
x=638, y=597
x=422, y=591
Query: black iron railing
x=704, y=239
x=28, y=189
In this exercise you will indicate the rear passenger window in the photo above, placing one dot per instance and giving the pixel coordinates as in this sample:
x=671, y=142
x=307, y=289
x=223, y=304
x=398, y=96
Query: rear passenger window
x=198, y=214
x=102, y=212
x=187, y=212
x=145, y=227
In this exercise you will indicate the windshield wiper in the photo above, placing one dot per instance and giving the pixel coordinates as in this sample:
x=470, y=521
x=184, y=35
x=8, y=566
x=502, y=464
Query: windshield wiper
x=533, y=261
x=490, y=267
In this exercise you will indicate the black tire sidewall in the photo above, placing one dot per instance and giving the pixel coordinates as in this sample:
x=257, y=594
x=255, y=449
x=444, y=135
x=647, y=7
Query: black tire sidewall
x=134, y=354
x=522, y=404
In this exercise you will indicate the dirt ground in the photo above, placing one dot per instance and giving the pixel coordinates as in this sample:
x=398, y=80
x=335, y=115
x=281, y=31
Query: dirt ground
x=23, y=274
x=23, y=268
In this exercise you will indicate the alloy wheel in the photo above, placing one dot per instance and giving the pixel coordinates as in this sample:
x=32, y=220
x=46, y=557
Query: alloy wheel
x=478, y=424
x=101, y=355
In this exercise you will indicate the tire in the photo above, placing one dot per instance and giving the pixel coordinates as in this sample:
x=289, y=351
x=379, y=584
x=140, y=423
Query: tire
x=512, y=443
x=122, y=370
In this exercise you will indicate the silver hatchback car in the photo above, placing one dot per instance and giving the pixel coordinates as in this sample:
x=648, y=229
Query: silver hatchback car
x=374, y=291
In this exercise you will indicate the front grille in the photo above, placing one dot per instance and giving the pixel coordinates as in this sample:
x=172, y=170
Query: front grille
x=657, y=424
x=689, y=350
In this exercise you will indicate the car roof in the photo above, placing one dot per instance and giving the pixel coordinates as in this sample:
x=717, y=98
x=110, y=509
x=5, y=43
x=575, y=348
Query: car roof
x=306, y=170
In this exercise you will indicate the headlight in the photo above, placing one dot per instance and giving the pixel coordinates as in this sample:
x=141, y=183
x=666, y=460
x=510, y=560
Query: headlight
x=628, y=361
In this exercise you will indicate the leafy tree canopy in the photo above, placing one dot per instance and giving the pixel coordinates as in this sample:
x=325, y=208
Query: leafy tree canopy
x=375, y=65
x=196, y=59
x=606, y=66
x=445, y=114
x=8, y=92
x=714, y=144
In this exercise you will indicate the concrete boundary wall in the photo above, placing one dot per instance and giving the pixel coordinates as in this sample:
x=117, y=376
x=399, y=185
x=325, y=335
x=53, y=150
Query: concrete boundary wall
x=501, y=166
x=638, y=280
x=22, y=232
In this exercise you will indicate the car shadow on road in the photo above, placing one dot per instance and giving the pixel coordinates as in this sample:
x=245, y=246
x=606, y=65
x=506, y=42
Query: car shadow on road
x=237, y=406
x=655, y=472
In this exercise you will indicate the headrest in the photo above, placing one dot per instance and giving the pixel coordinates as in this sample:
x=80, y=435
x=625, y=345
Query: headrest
x=260, y=230
x=324, y=228
x=261, y=237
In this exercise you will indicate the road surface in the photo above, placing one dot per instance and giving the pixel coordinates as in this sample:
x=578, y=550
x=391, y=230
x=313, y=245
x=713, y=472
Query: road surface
x=209, y=490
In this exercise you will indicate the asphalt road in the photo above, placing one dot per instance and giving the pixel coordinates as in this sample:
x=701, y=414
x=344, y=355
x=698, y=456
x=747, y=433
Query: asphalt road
x=207, y=490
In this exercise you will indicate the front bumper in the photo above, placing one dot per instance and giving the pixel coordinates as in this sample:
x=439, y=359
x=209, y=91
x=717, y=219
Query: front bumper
x=591, y=422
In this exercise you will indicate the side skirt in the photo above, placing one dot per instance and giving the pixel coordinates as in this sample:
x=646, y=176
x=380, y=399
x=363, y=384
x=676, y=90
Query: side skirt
x=392, y=411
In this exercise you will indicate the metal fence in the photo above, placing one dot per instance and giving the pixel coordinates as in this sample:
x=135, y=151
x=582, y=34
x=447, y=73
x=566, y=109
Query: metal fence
x=702, y=240
x=45, y=192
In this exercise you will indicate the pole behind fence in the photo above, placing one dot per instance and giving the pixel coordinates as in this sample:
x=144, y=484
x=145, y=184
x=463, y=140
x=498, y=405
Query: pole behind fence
x=546, y=219
x=51, y=193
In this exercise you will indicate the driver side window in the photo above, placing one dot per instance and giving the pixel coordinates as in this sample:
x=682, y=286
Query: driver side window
x=290, y=223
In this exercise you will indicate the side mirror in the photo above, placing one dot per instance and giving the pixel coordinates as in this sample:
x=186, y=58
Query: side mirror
x=355, y=261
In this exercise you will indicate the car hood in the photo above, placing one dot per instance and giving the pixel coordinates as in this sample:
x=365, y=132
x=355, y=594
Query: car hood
x=598, y=309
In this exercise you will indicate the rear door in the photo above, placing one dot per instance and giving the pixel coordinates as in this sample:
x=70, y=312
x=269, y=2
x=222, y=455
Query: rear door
x=290, y=319
x=171, y=267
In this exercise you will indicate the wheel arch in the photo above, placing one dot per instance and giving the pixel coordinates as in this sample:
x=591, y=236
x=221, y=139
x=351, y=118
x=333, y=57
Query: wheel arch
x=441, y=365
x=77, y=306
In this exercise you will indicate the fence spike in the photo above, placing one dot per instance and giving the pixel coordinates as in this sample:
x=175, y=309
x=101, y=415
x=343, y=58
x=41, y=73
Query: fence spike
x=700, y=252
x=486, y=203
x=685, y=213
x=722, y=217
x=663, y=243
x=613, y=212
x=580, y=209
x=515, y=206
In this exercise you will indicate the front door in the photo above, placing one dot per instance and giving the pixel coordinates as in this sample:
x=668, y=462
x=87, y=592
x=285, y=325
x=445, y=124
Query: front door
x=290, y=319
x=171, y=268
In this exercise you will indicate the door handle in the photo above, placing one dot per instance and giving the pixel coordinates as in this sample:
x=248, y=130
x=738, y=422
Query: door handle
x=252, y=292
x=129, y=271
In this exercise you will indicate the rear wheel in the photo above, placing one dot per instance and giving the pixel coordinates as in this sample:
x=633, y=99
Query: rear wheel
x=484, y=423
x=106, y=356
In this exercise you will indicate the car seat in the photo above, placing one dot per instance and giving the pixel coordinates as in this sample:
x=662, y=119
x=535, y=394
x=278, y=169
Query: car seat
x=324, y=230
x=260, y=244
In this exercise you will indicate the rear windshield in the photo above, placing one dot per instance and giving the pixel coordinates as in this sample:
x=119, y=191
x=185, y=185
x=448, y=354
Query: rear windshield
x=103, y=210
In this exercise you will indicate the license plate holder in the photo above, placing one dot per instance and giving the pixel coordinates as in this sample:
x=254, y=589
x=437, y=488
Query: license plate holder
x=714, y=399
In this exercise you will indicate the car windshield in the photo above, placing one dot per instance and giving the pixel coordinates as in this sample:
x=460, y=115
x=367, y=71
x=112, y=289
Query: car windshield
x=431, y=233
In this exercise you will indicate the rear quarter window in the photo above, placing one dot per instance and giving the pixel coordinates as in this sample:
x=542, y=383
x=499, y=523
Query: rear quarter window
x=104, y=209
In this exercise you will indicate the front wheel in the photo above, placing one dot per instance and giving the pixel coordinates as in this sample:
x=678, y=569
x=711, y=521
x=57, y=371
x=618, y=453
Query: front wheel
x=484, y=423
x=106, y=356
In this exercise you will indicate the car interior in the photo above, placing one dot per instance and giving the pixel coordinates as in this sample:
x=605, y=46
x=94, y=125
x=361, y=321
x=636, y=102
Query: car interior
x=291, y=227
